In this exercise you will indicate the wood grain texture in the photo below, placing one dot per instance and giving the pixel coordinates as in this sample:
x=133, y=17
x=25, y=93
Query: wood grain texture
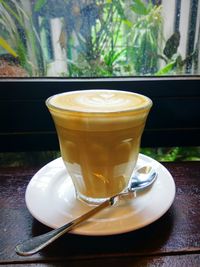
x=159, y=261
x=174, y=238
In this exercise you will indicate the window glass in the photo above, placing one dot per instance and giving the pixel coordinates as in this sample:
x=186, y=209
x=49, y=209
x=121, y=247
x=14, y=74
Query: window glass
x=99, y=38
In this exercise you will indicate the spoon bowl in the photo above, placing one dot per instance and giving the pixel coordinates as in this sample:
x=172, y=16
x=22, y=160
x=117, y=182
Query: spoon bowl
x=142, y=178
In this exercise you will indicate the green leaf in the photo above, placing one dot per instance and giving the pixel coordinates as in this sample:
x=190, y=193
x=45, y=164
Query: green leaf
x=39, y=4
x=12, y=12
x=128, y=23
x=166, y=69
x=139, y=7
x=7, y=47
x=172, y=45
x=120, y=9
x=110, y=58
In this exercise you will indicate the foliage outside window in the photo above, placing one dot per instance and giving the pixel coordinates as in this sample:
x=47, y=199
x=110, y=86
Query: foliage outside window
x=99, y=38
x=38, y=159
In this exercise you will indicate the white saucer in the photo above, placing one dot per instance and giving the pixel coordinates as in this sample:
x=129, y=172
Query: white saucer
x=50, y=198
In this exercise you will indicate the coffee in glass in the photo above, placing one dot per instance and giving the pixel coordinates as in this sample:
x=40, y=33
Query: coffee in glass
x=99, y=134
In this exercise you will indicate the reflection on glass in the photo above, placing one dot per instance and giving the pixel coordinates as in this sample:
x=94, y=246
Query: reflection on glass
x=99, y=38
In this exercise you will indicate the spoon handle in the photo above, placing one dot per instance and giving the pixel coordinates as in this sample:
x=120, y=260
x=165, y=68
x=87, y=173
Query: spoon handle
x=35, y=244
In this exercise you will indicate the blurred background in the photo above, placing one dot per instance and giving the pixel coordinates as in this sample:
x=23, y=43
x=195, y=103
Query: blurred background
x=99, y=38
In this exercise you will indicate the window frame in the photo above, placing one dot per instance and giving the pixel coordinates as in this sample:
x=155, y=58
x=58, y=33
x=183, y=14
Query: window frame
x=26, y=124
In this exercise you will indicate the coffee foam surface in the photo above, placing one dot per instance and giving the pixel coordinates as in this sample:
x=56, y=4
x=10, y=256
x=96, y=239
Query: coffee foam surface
x=99, y=101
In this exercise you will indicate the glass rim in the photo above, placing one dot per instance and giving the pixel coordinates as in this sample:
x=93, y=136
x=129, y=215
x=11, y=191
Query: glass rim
x=148, y=104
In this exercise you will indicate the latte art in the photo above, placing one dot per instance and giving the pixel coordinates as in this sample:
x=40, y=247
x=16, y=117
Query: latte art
x=99, y=101
x=102, y=100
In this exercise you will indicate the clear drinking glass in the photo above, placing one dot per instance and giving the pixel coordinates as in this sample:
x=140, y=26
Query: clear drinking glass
x=99, y=133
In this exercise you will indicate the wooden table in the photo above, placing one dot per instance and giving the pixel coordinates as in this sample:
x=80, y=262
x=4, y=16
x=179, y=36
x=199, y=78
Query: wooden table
x=173, y=240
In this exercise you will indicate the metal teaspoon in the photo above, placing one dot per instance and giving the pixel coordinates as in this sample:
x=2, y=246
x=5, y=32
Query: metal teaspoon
x=142, y=178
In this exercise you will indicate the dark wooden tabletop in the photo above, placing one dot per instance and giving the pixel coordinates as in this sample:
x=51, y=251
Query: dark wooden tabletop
x=173, y=240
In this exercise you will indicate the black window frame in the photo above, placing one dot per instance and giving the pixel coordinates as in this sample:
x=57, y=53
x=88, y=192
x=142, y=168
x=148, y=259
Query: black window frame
x=26, y=124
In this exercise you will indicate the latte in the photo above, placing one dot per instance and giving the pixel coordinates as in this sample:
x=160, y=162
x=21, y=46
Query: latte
x=99, y=133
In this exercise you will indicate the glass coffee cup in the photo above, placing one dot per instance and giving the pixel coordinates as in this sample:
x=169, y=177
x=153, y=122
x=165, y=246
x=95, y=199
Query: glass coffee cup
x=99, y=133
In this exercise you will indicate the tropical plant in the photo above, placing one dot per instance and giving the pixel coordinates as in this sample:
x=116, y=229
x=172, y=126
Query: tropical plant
x=174, y=63
x=145, y=33
x=98, y=50
x=19, y=36
x=98, y=38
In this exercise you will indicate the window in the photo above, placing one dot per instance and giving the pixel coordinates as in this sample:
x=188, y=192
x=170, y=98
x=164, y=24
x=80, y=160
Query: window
x=99, y=38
